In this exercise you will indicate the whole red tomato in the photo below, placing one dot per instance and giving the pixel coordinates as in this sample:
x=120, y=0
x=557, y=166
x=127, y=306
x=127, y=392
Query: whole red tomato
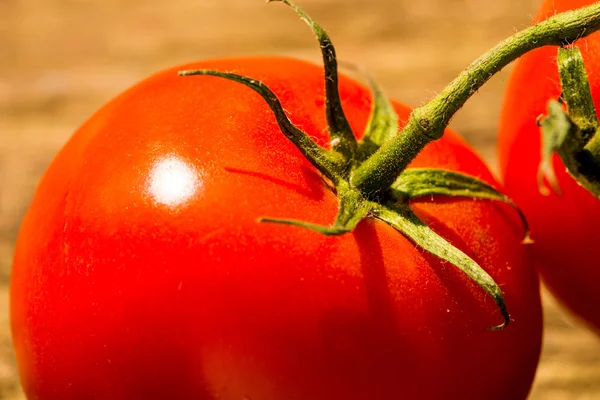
x=564, y=226
x=141, y=271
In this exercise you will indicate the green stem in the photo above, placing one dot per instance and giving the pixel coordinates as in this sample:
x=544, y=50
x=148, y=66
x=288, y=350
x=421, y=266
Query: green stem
x=576, y=92
x=583, y=158
x=427, y=123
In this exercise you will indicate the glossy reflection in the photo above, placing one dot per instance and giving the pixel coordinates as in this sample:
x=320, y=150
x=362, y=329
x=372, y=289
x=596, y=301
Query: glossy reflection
x=172, y=181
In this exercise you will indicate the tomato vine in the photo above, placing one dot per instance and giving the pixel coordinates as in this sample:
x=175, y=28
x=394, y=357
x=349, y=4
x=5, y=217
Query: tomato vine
x=363, y=184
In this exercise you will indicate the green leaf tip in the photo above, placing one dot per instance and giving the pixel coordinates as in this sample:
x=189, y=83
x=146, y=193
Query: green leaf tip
x=325, y=161
x=340, y=131
x=505, y=316
x=419, y=182
x=352, y=210
x=555, y=128
x=404, y=220
x=382, y=125
x=324, y=230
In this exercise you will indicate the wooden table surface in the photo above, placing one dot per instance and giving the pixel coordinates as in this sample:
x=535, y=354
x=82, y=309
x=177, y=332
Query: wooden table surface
x=61, y=59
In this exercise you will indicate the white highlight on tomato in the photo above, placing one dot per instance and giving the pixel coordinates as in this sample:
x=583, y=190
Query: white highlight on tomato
x=172, y=181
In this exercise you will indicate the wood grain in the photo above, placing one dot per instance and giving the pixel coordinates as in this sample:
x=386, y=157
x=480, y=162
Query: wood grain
x=61, y=59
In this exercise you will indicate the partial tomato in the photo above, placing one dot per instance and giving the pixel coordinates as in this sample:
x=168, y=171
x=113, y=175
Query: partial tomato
x=564, y=226
x=141, y=272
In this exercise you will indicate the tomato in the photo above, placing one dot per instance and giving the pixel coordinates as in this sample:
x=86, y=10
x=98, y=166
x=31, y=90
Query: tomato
x=141, y=271
x=564, y=226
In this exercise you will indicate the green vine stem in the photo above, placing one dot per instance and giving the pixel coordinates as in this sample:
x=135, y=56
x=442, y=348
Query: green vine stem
x=576, y=91
x=427, y=123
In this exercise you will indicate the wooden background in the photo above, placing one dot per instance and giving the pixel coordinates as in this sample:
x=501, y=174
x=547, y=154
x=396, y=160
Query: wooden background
x=61, y=59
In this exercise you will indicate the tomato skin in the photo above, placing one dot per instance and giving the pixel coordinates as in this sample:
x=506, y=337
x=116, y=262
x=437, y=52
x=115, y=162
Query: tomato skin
x=564, y=227
x=141, y=271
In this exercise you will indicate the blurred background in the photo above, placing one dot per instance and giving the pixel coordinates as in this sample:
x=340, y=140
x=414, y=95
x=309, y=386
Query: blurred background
x=62, y=59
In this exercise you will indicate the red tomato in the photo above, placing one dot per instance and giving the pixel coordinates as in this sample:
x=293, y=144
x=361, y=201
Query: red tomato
x=141, y=271
x=564, y=227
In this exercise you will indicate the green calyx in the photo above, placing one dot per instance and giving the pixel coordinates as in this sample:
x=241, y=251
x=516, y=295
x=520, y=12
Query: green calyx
x=370, y=176
x=572, y=133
